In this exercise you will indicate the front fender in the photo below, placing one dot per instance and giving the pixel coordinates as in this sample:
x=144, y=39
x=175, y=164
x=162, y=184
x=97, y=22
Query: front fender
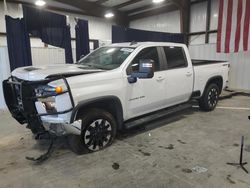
x=110, y=103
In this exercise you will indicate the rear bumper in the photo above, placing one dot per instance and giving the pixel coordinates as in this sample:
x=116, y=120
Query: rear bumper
x=22, y=102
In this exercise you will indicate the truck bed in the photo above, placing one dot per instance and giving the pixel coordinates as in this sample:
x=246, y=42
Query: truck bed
x=205, y=70
x=198, y=62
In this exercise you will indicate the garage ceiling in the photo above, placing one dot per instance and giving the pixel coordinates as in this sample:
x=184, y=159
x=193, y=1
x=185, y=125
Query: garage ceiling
x=125, y=10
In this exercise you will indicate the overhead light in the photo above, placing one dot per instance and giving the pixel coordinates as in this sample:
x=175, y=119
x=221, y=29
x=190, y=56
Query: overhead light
x=40, y=3
x=158, y=1
x=109, y=15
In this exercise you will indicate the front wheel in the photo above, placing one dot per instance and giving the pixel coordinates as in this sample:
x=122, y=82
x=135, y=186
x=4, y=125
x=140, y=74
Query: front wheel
x=98, y=132
x=210, y=98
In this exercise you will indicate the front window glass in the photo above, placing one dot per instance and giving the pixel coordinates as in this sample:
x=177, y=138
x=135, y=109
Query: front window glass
x=147, y=53
x=106, y=58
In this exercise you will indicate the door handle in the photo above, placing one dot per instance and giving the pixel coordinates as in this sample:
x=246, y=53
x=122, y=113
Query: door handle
x=160, y=78
x=189, y=74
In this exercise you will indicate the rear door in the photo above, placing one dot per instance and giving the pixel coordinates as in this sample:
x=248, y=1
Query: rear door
x=146, y=95
x=179, y=75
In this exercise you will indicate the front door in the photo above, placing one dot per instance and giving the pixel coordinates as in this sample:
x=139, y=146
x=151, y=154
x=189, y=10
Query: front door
x=146, y=95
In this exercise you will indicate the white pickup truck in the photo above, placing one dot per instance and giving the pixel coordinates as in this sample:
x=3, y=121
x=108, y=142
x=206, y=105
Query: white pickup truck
x=116, y=86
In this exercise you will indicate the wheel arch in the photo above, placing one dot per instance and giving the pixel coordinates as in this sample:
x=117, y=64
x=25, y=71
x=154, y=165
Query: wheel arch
x=218, y=80
x=110, y=103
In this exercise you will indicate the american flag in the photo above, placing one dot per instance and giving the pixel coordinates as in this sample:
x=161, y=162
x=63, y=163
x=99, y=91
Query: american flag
x=233, y=26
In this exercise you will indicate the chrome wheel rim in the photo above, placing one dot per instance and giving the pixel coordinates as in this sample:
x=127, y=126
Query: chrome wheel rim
x=98, y=134
x=213, y=97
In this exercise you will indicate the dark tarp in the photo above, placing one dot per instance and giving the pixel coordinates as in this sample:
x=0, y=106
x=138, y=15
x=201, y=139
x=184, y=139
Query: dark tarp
x=18, y=43
x=121, y=34
x=82, y=38
x=51, y=28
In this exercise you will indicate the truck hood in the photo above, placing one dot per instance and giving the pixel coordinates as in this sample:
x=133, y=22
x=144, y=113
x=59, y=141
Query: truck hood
x=33, y=73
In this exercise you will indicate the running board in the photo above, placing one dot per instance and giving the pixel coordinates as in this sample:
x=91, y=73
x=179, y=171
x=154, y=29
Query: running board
x=156, y=115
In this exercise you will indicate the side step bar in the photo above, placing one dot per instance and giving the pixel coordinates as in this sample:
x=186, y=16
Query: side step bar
x=156, y=115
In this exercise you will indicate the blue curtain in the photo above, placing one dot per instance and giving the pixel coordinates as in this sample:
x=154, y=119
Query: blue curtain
x=121, y=34
x=18, y=43
x=51, y=28
x=82, y=38
x=67, y=46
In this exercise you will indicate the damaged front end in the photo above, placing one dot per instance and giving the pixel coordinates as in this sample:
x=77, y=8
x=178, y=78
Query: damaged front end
x=43, y=105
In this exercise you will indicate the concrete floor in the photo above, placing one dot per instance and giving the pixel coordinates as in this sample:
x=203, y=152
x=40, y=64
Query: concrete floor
x=160, y=154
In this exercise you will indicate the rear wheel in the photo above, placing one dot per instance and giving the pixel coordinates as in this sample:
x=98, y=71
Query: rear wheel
x=210, y=98
x=98, y=132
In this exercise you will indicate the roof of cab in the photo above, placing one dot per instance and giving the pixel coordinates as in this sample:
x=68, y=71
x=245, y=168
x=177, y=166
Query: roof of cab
x=144, y=44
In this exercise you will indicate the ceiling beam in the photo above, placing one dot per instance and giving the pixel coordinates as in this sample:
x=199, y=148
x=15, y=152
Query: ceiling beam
x=178, y=3
x=97, y=10
x=198, y=1
x=151, y=6
x=101, y=1
x=126, y=4
x=153, y=12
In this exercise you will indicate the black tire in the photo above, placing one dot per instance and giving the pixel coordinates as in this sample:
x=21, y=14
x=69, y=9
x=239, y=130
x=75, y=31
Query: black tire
x=210, y=98
x=34, y=131
x=98, y=132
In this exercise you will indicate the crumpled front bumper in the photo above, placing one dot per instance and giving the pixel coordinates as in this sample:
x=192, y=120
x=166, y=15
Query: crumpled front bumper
x=62, y=128
x=24, y=105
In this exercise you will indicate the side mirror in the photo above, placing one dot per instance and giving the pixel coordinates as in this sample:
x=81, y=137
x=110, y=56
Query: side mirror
x=146, y=70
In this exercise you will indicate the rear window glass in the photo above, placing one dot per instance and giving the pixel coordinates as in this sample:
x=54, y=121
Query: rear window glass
x=175, y=56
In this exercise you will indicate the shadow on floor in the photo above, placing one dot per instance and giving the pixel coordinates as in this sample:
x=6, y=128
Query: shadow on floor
x=164, y=121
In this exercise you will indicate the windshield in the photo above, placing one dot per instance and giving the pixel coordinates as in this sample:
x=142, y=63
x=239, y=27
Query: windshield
x=106, y=58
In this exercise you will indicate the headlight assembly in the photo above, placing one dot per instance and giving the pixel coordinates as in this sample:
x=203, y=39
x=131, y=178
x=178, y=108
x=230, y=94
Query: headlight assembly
x=50, y=107
x=46, y=95
x=50, y=98
x=48, y=90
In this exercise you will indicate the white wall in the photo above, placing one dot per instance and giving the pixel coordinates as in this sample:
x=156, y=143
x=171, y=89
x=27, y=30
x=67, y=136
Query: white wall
x=99, y=28
x=198, y=22
x=168, y=22
x=4, y=71
x=239, y=77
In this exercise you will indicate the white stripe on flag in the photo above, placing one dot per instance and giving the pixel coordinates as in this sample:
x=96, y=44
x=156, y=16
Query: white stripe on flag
x=242, y=24
x=224, y=23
